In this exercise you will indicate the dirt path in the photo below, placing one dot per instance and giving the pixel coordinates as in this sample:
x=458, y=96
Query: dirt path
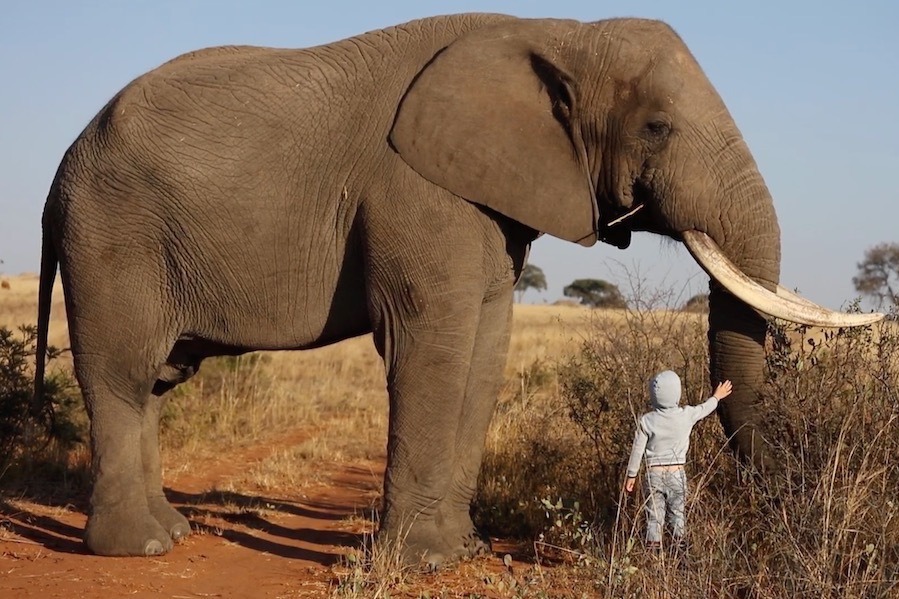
x=247, y=545
x=253, y=545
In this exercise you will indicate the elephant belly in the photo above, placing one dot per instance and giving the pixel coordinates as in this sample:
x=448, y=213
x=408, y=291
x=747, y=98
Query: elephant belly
x=268, y=303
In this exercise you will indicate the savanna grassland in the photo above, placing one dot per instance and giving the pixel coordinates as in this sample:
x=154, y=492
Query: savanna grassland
x=825, y=525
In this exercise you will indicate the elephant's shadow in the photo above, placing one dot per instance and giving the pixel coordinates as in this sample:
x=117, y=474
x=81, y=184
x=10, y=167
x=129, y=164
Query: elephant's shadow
x=45, y=519
x=32, y=527
x=212, y=512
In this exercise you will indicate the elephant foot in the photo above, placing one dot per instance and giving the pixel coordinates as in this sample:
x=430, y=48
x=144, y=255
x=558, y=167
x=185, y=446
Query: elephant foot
x=466, y=540
x=168, y=517
x=421, y=546
x=476, y=544
x=125, y=532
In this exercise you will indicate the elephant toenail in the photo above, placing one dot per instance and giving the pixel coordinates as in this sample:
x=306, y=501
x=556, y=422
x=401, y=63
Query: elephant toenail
x=153, y=547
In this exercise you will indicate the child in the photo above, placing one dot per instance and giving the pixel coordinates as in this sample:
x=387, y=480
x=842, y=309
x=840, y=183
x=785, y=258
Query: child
x=663, y=435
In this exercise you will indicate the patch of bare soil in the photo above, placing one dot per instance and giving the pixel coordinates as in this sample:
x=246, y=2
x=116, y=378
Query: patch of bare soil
x=265, y=545
x=245, y=545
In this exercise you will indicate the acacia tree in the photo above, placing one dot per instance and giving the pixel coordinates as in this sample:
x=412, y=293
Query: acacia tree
x=532, y=277
x=878, y=274
x=697, y=303
x=596, y=293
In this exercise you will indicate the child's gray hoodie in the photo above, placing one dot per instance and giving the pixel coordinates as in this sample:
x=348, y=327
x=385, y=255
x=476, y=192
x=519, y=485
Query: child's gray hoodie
x=664, y=434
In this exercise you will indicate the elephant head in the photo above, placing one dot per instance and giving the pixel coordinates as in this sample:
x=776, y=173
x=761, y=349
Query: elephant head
x=592, y=131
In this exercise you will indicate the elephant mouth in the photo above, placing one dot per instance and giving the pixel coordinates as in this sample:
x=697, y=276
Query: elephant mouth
x=617, y=231
x=618, y=222
x=781, y=304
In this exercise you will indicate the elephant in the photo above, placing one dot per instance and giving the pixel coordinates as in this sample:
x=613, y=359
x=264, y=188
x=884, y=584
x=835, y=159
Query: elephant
x=245, y=198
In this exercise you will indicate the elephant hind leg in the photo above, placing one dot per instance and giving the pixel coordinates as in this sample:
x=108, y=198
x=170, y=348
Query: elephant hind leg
x=118, y=354
x=120, y=521
x=167, y=516
x=182, y=363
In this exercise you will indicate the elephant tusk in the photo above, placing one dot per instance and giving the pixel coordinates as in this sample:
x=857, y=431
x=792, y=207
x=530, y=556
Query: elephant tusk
x=784, y=304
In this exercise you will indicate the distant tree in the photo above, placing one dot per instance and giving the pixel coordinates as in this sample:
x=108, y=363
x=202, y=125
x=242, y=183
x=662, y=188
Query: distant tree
x=697, y=303
x=878, y=274
x=596, y=293
x=532, y=277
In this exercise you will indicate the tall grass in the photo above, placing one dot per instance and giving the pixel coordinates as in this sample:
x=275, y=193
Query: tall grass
x=330, y=405
x=825, y=525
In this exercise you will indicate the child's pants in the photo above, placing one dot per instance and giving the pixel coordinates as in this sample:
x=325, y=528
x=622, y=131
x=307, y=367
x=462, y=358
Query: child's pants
x=666, y=492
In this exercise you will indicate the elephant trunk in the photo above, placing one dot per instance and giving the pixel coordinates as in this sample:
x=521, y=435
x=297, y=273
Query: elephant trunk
x=744, y=266
x=736, y=349
x=751, y=239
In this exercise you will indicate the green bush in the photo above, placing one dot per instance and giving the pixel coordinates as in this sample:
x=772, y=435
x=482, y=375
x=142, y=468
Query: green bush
x=34, y=434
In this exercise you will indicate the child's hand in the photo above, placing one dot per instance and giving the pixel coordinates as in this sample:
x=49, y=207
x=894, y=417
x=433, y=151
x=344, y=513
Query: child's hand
x=629, y=485
x=723, y=390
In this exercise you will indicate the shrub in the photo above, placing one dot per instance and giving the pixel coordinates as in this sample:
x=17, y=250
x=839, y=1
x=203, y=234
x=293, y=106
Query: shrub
x=826, y=525
x=562, y=432
x=39, y=435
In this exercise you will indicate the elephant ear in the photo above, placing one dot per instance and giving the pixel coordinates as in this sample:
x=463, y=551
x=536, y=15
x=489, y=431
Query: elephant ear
x=490, y=120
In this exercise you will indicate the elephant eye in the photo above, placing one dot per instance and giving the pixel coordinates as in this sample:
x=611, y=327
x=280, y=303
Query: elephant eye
x=658, y=129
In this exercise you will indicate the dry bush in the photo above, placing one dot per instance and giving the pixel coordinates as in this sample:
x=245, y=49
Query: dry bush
x=44, y=454
x=833, y=520
x=563, y=430
x=825, y=525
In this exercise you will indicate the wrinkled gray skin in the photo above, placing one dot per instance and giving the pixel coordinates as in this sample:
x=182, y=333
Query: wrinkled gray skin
x=240, y=199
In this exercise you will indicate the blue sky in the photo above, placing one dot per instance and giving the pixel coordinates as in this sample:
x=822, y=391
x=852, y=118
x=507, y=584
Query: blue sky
x=814, y=86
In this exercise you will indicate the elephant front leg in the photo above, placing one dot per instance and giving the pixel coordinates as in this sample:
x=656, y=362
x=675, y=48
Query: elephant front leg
x=484, y=382
x=428, y=355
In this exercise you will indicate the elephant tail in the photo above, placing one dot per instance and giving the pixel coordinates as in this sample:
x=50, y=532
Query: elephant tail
x=49, y=263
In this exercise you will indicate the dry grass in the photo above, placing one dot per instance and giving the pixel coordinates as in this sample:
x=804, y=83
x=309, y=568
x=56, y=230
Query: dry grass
x=827, y=526
x=545, y=333
x=18, y=305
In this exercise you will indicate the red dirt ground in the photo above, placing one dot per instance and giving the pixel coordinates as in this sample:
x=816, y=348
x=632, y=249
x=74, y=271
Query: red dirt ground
x=279, y=545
